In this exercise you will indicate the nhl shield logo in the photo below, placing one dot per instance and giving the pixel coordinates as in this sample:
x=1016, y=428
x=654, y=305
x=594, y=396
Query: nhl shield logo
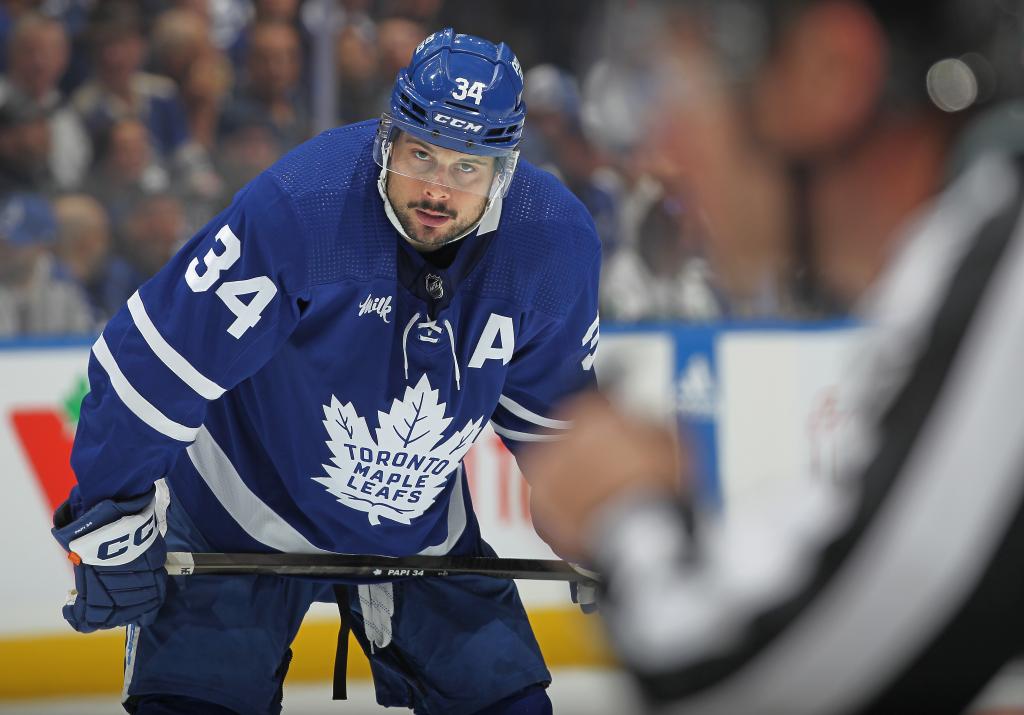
x=435, y=286
x=399, y=471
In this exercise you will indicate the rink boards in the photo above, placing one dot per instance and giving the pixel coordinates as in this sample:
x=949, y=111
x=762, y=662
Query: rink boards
x=760, y=405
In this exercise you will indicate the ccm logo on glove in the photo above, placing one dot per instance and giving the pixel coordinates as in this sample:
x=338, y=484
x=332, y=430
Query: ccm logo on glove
x=119, y=542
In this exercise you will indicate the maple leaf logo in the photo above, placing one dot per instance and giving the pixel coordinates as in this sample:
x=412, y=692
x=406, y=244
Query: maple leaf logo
x=400, y=470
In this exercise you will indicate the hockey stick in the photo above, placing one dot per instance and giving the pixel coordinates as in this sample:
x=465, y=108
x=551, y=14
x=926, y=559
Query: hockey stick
x=183, y=563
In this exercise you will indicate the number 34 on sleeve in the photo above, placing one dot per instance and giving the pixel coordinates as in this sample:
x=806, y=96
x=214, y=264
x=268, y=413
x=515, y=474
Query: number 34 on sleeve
x=247, y=315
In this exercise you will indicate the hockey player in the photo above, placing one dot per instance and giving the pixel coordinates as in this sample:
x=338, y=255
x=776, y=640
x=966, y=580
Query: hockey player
x=307, y=374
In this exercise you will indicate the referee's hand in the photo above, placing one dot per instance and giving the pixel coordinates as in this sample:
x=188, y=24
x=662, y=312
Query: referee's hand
x=605, y=458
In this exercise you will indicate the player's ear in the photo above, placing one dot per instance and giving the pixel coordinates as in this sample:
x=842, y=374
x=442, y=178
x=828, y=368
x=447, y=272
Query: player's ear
x=824, y=79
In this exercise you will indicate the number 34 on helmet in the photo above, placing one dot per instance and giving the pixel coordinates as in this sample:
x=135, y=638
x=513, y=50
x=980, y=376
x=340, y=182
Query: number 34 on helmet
x=461, y=93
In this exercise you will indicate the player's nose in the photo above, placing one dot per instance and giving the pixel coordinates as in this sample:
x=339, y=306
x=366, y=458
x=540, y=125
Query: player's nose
x=437, y=192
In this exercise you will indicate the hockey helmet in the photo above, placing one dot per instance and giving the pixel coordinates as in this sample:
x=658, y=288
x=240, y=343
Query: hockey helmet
x=463, y=94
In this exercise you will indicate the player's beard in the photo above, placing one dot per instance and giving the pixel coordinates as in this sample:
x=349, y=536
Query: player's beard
x=425, y=238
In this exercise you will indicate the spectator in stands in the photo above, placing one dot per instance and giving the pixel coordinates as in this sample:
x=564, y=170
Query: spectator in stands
x=424, y=12
x=73, y=15
x=611, y=92
x=227, y=20
x=556, y=142
x=397, y=37
x=182, y=50
x=358, y=13
x=664, y=275
x=286, y=11
x=207, y=86
x=127, y=167
x=24, y=146
x=246, y=148
x=146, y=238
x=358, y=81
x=553, y=96
x=273, y=11
x=628, y=177
x=179, y=35
x=83, y=249
x=271, y=89
x=10, y=12
x=121, y=90
x=581, y=165
x=37, y=56
x=37, y=297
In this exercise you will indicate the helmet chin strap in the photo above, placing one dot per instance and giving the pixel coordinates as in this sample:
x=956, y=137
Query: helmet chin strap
x=382, y=189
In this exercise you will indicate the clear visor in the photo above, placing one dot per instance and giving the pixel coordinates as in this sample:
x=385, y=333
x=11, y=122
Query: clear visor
x=400, y=149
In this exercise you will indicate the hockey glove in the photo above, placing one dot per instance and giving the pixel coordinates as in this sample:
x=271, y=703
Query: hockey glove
x=584, y=594
x=118, y=551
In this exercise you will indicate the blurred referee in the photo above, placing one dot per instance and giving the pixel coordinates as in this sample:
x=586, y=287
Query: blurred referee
x=884, y=139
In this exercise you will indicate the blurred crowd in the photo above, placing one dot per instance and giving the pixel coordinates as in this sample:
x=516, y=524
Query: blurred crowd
x=125, y=125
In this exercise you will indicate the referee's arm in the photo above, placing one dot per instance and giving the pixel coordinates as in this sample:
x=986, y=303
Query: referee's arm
x=899, y=590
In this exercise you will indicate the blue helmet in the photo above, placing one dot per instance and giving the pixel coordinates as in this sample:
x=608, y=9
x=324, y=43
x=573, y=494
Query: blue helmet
x=463, y=93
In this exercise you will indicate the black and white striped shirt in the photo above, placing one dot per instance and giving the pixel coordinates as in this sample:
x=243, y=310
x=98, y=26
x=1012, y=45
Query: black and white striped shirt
x=899, y=589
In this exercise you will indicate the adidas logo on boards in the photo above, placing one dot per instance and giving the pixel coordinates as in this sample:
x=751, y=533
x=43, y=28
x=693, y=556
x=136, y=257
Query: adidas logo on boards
x=696, y=394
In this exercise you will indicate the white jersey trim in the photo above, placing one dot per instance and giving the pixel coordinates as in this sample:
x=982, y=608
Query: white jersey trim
x=169, y=356
x=456, y=520
x=131, y=650
x=524, y=414
x=256, y=518
x=135, y=402
x=524, y=436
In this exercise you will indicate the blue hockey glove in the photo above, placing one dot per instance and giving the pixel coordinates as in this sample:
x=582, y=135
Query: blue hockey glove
x=583, y=594
x=118, y=551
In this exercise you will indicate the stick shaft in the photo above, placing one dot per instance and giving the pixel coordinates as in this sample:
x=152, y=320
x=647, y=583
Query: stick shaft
x=180, y=563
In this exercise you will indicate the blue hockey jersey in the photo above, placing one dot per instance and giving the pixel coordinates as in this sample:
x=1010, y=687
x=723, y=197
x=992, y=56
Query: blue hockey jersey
x=307, y=382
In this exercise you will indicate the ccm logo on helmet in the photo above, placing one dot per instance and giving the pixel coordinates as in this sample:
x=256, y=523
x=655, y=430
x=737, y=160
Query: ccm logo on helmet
x=456, y=123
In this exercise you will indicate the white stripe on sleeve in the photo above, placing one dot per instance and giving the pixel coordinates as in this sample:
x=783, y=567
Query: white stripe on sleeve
x=524, y=414
x=169, y=356
x=135, y=402
x=524, y=436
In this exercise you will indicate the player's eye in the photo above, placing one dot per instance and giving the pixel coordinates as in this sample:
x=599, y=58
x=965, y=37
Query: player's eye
x=420, y=154
x=464, y=168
